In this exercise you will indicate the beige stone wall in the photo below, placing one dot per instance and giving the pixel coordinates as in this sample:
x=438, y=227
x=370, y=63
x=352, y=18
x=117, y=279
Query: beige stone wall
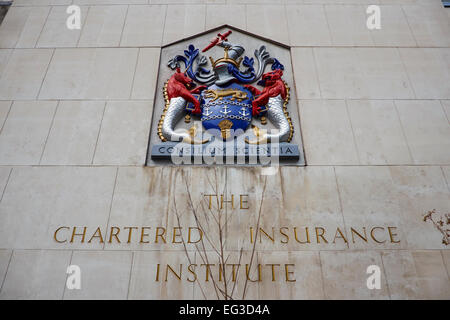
x=75, y=113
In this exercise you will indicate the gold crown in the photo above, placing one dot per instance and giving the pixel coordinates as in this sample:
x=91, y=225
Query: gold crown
x=226, y=58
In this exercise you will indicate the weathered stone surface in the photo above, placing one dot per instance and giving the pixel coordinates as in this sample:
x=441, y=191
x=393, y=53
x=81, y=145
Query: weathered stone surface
x=183, y=21
x=141, y=198
x=362, y=73
x=36, y=274
x=446, y=106
x=427, y=131
x=143, y=284
x=99, y=268
x=22, y=73
x=307, y=274
x=144, y=26
x=260, y=21
x=345, y=277
x=421, y=189
x=144, y=83
x=416, y=275
x=25, y=132
x=347, y=25
x=41, y=2
x=126, y=124
x=395, y=30
x=75, y=116
x=103, y=26
x=428, y=71
x=369, y=200
x=5, y=106
x=233, y=15
x=5, y=258
x=86, y=73
x=378, y=132
x=327, y=134
x=234, y=282
x=55, y=33
x=74, y=133
x=4, y=176
x=307, y=26
x=22, y=26
x=433, y=32
x=305, y=73
x=55, y=197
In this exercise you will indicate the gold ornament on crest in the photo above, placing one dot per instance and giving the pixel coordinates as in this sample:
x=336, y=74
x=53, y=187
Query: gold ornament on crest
x=225, y=126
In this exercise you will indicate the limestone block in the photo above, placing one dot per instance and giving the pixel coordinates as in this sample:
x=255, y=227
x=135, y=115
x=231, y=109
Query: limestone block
x=395, y=30
x=234, y=15
x=446, y=106
x=284, y=210
x=4, y=176
x=420, y=190
x=5, y=106
x=103, y=26
x=307, y=25
x=327, y=133
x=426, y=129
x=446, y=257
x=22, y=73
x=90, y=73
x=124, y=133
x=36, y=274
x=338, y=1
x=429, y=25
x=55, y=32
x=307, y=274
x=378, y=132
x=25, y=132
x=143, y=284
x=41, y=2
x=141, y=199
x=22, y=26
x=144, y=26
x=265, y=210
x=428, y=71
x=345, y=277
x=362, y=73
x=5, y=54
x=249, y=2
x=233, y=280
x=190, y=206
x=144, y=83
x=183, y=21
x=446, y=170
x=310, y=200
x=412, y=2
x=39, y=200
x=416, y=274
x=305, y=73
x=347, y=25
x=74, y=133
x=5, y=258
x=109, y=2
x=369, y=200
x=104, y=275
x=261, y=18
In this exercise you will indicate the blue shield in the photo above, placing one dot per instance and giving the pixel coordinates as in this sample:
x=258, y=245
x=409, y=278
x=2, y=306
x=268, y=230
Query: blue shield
x=227, y=110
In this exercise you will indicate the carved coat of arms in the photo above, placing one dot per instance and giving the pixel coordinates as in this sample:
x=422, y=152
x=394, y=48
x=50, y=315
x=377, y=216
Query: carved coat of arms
x=226, y=93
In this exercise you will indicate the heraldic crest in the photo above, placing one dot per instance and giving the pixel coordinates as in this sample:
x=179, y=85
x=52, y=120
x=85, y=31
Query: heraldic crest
x=222, y=104
x=223, y=97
